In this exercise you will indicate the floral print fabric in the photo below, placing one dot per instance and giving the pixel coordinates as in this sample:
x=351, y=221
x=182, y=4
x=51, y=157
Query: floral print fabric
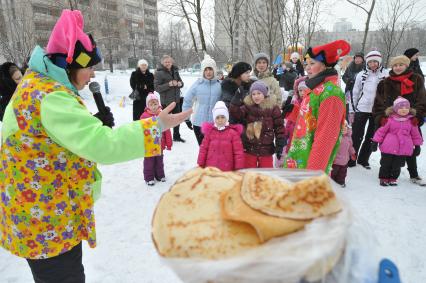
x=46, y=204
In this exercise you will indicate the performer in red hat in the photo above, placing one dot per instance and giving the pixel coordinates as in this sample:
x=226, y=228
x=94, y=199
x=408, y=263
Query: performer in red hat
x=319, y=125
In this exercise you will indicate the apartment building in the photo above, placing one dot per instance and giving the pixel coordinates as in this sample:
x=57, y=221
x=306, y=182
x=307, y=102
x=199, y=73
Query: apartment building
x=125, y=30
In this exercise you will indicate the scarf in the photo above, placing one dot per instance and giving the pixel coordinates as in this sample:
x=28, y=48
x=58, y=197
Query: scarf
x=221, y=128
x=400, y=118
x=406, y=84
x=320, y=77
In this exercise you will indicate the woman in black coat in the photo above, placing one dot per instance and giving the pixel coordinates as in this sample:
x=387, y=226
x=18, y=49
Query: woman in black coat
x=143, y=81
x=10, y=76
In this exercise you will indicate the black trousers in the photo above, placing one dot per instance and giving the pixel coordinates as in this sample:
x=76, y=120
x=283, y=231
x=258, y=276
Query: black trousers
x=390, y=166
x=358, y=130
x=64, y=268
x=138, y=108
x=412, y=163
x=198, y=134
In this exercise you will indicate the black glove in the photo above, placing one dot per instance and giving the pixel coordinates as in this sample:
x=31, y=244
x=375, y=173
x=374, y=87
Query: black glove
x=279, y=146
x=189, y=124
x=416, y=151
x=107, y=118
x=287, y=108
x=374, y=146
x=237, y=98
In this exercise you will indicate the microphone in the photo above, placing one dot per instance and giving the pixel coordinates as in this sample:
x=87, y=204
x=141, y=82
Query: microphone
x=95, y=88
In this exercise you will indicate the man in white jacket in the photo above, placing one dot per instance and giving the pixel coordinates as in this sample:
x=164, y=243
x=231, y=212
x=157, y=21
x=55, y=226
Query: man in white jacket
x=364, y=93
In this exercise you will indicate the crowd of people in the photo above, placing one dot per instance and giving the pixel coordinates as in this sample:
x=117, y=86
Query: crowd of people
x=301, y=115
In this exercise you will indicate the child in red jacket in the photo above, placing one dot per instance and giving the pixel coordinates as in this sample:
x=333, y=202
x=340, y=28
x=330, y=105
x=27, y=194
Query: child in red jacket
x=153, y=165
x=221, y=147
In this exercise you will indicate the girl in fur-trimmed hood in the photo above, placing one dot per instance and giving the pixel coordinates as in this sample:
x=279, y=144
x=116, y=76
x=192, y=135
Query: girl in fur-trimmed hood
x=263, y=123
x=398, y=138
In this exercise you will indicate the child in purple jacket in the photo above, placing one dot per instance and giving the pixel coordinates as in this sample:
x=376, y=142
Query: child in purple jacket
x=346, y=152
x=397, y=139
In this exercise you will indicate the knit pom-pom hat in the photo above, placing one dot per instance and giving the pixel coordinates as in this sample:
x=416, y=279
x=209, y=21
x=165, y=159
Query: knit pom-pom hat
x=208, y=62
x=69, y=47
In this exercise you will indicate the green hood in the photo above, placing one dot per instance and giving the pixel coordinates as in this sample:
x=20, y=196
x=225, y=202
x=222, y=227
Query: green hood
x=40, y=63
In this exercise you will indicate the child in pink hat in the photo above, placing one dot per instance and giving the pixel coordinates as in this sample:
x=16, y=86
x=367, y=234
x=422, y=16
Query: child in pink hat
x=397, y=138
x=153, y=164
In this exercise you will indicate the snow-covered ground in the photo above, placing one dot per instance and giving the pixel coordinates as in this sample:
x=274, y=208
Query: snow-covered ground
x=125, y=252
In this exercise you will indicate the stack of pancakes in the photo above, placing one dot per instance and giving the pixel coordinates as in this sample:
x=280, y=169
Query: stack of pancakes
x=210, y=214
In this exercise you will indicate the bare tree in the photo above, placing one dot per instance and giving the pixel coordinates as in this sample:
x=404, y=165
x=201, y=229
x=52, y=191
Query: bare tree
x=293, y=17
x=394, y=19
x=174, y=41
x=359, y=4
x=228, y=13
x=191, y=11
x=264, y=26
x=18, y=31
x=311, y=19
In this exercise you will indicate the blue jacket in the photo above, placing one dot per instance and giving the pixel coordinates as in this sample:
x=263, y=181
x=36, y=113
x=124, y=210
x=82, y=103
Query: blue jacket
x=202, y=95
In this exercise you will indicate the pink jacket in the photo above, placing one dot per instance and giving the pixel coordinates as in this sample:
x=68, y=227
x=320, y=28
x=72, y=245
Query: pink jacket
x=346, y=149
x=398, y=136
x=166, y=137
x=222, y=149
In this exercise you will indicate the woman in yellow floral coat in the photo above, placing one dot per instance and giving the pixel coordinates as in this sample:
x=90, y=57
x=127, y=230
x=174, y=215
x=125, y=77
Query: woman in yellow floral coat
x=50, y=145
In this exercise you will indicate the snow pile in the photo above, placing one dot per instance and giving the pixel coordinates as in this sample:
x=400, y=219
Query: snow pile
x=125, y=251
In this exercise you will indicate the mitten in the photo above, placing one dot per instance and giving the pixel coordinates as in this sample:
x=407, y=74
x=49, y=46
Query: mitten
x=416, y=151
x=415, y=121
x=353, y=157
x=288, y=108
x=279, y=146
x=374, y=146
x=107, y=118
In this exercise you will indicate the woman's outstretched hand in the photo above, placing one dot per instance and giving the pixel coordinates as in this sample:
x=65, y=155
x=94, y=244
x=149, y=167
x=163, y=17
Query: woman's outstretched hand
x=168, y=120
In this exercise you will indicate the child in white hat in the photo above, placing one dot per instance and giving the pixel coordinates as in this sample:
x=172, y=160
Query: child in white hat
x=221, y=147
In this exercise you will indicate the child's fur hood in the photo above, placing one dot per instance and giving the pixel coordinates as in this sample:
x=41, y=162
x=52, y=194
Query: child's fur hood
x=268, y=103
x=207, y=127
x=389, y=111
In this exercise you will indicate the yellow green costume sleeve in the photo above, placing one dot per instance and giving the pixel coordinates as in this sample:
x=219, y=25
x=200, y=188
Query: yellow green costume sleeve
x=72, y=126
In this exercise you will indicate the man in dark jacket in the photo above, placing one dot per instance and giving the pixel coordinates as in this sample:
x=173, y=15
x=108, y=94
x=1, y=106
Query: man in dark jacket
x=143, y=81
x=349, y=77
x=167, y=82
x=413, y=55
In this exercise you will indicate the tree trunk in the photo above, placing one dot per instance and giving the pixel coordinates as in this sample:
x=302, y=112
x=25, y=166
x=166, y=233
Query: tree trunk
x=194, y=42
x=367, y=25
x=200, y=27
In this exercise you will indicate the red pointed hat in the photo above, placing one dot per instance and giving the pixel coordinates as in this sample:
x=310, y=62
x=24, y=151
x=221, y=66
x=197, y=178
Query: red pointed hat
x=329, y=53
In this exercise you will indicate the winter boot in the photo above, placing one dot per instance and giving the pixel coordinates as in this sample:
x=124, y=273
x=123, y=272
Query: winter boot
x=365, y=165
x=384, y=182
x=343, y=185
x=419, y=181
x=392, y=182
x=161, y=179
x=150, y=183
x=351, y=163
